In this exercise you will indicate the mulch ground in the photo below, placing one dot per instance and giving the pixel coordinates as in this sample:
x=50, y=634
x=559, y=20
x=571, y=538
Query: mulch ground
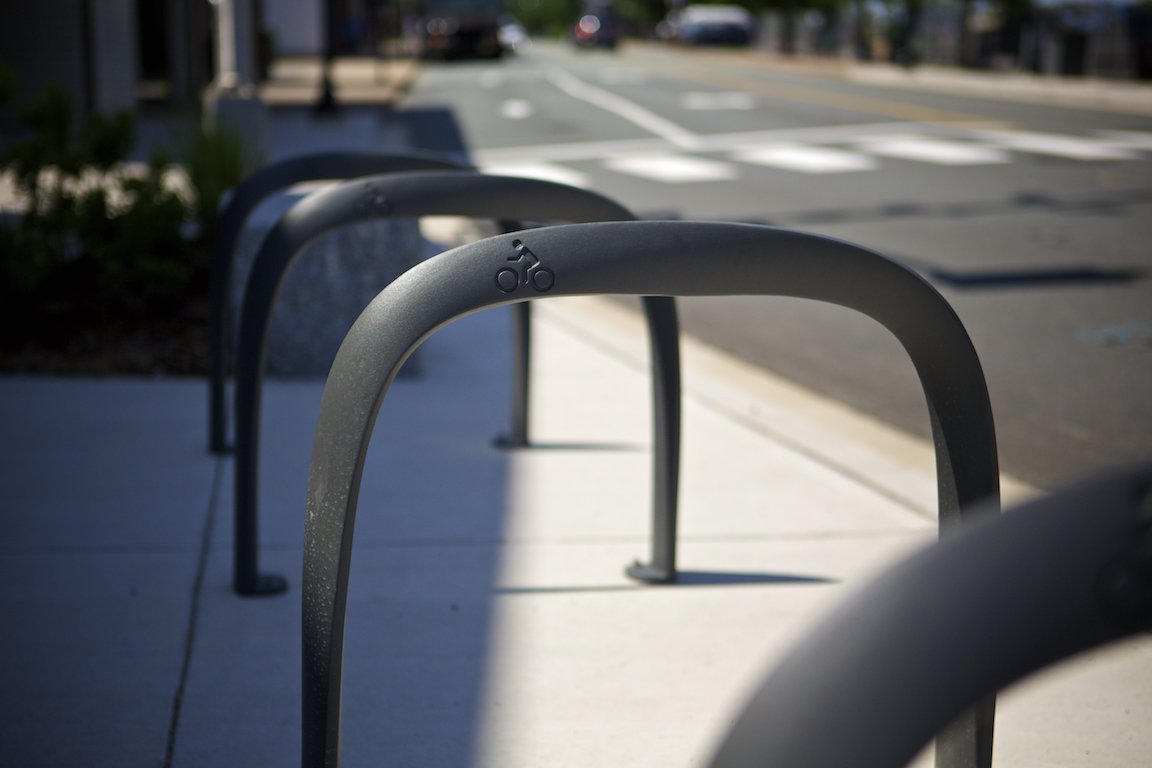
x=67, y=343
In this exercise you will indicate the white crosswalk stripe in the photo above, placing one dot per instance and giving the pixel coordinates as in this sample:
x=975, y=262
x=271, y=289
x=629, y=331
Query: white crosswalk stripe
x=1070, y=147
x=674, y=169
x=516, y=109
x=807, y=159
x=930, y=150
x=544, y=171
x=1128, y=139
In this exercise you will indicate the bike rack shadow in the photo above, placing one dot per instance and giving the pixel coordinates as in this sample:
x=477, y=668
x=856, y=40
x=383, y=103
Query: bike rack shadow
x=1007, y=597
x=684, y=580
x=454, y=193
x=634, y=258
x=244, y=199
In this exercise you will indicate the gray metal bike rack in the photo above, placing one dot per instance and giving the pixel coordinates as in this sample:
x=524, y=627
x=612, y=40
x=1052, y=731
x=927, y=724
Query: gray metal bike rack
x=245, y=197
x=456, y=193
x=637, y=258
x=872, y=683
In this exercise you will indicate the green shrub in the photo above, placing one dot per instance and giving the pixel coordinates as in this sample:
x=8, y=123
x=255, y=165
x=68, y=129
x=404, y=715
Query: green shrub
x=142, y=263
x=93, y=235
x=216, y=162
x=106, y=254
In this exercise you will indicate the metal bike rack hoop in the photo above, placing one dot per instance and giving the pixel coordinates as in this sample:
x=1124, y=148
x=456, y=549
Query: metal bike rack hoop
x=637, y=258
x=411, y=195
x=243, y=200
x=871, y=684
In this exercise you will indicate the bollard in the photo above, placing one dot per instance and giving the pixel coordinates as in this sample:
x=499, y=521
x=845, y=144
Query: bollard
x=872, y=683
x=638, y=258
x=455, y=193
x=244, y=199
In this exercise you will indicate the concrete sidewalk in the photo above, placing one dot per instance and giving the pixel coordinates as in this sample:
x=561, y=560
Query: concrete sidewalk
x=357, y=80
x=490, y=622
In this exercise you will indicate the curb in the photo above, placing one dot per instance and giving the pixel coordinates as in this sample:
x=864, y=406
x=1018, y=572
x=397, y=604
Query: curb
x=1122, y=96
x=1082, y=93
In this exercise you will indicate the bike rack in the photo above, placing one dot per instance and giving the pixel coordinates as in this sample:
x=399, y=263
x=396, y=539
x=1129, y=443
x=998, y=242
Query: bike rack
x=244, y=199
x=455, y=193
x=638, y=258
x=1007, y=597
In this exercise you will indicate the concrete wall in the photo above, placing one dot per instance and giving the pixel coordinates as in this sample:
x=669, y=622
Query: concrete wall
x=330, y=282
x=91, y=55
x=297, y=24
x=44, y=42
x=114, y=54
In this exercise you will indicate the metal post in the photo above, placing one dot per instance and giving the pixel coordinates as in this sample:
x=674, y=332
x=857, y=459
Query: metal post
x=243, y=200
x=408, y=196
x=1006, y=597
x=634, y=258
x=517, y=436
x=665, y=351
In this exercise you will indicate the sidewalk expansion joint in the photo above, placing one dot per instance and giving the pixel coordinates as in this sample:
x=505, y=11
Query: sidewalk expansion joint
x=193, y=613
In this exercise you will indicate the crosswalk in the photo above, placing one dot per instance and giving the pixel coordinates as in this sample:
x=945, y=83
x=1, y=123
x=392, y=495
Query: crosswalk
x=1070, y=147
x=674, y=168
x=807, y=159
x=719, y=159
x=934, y=150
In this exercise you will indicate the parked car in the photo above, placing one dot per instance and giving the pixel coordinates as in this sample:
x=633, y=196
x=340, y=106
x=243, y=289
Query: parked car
x=458, y=29
x=710, y=25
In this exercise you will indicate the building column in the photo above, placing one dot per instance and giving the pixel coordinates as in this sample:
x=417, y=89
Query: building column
x=234, y=102
x=235, y=44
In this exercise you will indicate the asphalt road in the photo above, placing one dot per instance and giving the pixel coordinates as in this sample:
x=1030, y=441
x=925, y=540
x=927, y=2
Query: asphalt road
x=1034, y=221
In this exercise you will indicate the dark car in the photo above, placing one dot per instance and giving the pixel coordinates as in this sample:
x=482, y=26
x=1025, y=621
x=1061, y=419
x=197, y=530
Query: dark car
x=712, y=25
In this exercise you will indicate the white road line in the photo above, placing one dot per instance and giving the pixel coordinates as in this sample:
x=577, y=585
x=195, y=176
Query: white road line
x=674, y=134
x=711, y=101
x=939, y=151
x=807, y=159
x=1127, y=139
x=674, y=169
x=544, y=171
x=516, y=109
x=1071, y=147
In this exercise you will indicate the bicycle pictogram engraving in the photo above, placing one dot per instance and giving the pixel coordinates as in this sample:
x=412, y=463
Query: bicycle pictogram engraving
x=528, y=271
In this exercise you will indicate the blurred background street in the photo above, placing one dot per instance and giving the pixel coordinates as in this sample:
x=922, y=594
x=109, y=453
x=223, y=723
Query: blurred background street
x=1033, y=219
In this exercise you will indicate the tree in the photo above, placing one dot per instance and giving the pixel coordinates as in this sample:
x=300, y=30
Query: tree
x=904, y=21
